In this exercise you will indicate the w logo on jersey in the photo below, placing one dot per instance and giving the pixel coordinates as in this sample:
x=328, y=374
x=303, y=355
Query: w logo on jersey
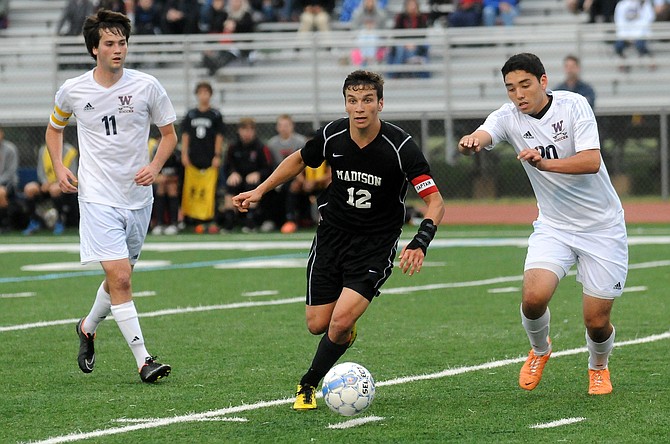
x=558, y=126
x=124, y=104
x=559, y=132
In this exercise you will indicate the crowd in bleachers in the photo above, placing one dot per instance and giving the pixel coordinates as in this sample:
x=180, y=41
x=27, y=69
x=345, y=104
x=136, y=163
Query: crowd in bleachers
x=203, y=16
x=35, y=205
x=366, y=17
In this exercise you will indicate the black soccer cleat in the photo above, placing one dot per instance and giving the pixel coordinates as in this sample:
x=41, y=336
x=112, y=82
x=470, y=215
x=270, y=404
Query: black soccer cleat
x=86, y=357
x=152, y=371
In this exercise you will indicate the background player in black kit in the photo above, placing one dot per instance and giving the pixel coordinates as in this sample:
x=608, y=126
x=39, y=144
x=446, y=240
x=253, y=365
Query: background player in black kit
x=362, y=213
x=201, y=146
x=202, y=132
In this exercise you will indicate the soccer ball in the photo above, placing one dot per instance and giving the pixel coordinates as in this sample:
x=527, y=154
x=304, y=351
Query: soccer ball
x=348, y=389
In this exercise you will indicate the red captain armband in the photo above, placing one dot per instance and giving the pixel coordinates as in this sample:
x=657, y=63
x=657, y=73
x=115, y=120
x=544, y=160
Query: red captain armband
x=424, y=185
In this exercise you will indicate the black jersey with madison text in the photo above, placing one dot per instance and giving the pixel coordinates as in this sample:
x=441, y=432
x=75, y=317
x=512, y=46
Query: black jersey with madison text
x=202, y=128
x=369, y=184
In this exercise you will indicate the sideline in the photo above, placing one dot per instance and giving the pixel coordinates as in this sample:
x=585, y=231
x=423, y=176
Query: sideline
x=299, y=299
x=239, y=245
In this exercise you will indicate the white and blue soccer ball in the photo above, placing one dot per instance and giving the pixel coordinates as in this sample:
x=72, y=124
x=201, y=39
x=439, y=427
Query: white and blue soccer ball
x=348, y=389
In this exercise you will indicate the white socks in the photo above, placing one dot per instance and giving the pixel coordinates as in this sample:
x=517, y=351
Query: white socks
x=125, y=316
x=100, y=310
x=599, y=352
x=538, y=332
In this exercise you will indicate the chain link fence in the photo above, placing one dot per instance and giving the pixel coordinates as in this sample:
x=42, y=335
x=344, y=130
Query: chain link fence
x=631, y=147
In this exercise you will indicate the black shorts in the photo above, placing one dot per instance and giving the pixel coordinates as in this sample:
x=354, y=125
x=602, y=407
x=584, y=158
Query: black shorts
x=339, y=259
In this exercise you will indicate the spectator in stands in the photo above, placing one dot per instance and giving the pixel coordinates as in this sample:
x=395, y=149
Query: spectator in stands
x=235, y=18
x=201, y=149
x=573, y=82
x=147, y=19
x=9, y=179
x=370, y=10
x=180, y=17
x=46, y=188
x=240, y=20
x=633, y=19
x=286, y=141
x=503, y=11
x=265, y=10
x=4, y=14
x=165, y=211
x=410, y=18
x=113, y=5
x=216, y=16
x=349, y=7
x=598, y=10
x=281, y=145
x=248, y=162
x=467, y=13
x=662, y=9
x=368, y=19
x=287, y=12
x=315, y=15
x=72, y=20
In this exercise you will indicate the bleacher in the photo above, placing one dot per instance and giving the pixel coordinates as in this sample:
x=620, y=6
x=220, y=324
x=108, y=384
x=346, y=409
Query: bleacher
x=33, y=17
x=302, y=75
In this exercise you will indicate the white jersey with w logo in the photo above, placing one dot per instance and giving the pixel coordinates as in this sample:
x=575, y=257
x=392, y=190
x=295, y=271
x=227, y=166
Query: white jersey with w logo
x=113, y=131
x=577, y=202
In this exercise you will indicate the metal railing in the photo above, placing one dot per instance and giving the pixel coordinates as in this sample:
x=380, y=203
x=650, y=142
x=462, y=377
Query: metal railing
x=302, y=74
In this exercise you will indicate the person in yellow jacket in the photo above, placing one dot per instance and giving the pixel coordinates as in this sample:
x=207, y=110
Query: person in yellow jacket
x=47, y=188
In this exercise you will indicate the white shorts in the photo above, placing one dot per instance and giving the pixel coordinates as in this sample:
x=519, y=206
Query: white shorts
x=601, y=256
x=107, y=233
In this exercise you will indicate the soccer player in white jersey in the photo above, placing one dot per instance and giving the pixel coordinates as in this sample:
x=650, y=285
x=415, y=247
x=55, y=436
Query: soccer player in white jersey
x=114, y=108
x=580, y=219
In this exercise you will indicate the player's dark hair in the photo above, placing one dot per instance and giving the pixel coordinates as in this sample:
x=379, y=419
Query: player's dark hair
x=362, y=79
x=114, y=22
x=524, y=62
x=206, y=85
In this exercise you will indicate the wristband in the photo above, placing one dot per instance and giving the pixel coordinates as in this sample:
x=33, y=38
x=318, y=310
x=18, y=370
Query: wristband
x=422, y=239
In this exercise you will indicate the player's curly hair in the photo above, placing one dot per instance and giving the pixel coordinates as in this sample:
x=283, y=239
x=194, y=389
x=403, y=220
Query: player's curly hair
x=115, y=22
x=364, y=79
x=524, y=62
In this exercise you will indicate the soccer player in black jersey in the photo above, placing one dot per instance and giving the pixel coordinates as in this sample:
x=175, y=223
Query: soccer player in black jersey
x=373, y=162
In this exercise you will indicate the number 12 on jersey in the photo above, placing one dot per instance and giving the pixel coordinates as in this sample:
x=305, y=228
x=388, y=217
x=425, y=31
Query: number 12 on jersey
x=359, y=198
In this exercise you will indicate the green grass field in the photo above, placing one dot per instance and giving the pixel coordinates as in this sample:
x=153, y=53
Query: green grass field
x=227, y=312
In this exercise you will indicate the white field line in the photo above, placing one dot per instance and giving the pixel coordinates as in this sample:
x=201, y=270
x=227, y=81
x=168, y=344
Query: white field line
x=517, y=289
x=260, y=293
x=558, y=423
x=168, y=311
x=355, y=422
x=634, y=289
x=195, y=417
x=25, y=294
x=396, y=290
x=145, y=420
x=504, y=290
x=144, y=294
x=73, y=247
